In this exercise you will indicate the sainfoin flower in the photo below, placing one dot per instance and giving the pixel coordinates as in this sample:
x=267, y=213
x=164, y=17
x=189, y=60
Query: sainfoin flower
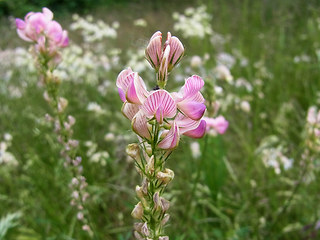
x=39, y=27
x=178, y=113
x=218, y=124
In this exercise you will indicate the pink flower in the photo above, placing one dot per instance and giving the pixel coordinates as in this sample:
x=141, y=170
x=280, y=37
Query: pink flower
x=40, y=28
x=219, y=124
x=189, y=99
x=160, y=105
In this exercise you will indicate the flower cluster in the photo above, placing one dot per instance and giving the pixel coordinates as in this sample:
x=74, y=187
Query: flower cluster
x=176, y=113
x=48, y=34
x=159, y=118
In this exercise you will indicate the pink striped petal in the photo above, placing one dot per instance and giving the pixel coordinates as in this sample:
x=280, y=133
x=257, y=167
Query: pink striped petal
x=176, y=50
x=153, y=50
x=185, y=123
x=160, y=98
x=192, y=85
x=122, y=95
x=54, y=31
x=197, y=132
x=20, y=23
x=124, y=78
x=192, y=109
x=47, y=13
x=64, y=42
x=22, y=35
x=137, y=91
x=129, y=110
x=140, y=125
x=171, y=140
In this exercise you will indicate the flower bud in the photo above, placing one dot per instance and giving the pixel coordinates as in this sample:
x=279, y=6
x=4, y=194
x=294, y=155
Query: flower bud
x=62, y=104
x=166, y=176
x=137, y=212
x=165, y=204
x=139, y=192
x=157, y=201
x=163, y=70
x=145, y=230
x=137, y=226
x=133, y=151
x=138, y=236
x=150, y=165
x=165, y=219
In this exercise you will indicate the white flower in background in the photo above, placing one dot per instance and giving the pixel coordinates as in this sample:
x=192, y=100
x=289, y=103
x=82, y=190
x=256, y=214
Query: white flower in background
x=109, y=137
x=195, y=22
x=222, y=72
x=94, y=31
x=6, y=157
x=241, y=82
x=218, y=90
x=100, y=157
x=302, y=58
x=196, y=61
x=140, y=22
x=226, y=59
x=195, y=150
x=96, y=108
x=245, y=106
x=272, y=154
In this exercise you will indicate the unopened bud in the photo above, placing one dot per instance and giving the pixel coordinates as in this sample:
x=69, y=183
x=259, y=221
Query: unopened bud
x=165, y=204
x=150, y=165
x=145, y=230
x=166, y=176
x=163, y=70
x=48, y=118
x=165, y=219
x=86, y=228
x=133, y=151
x=137, y=226
x=157, y=201
x=139, y=192
x=62, y=104
x=137, y=212
x=138, y=236
x=80, y=216
x=71, y=120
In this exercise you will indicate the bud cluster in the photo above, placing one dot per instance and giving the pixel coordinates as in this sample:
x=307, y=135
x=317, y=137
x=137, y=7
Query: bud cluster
x=163, y=59
x=152, y=207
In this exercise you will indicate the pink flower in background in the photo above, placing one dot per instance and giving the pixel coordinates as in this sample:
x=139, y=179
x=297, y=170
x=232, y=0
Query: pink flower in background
x=40, y=28
x=219, y=124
